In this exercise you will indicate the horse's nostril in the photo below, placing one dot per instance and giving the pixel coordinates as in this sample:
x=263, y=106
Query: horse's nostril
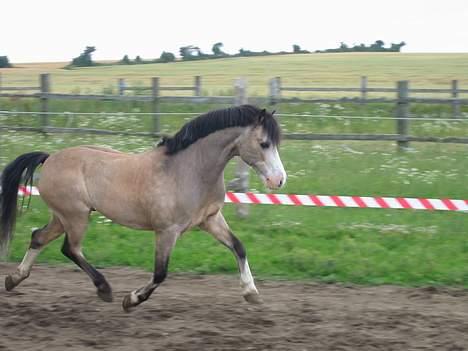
x=281, y=182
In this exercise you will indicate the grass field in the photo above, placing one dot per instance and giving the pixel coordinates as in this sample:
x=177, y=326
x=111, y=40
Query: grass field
x=348, y=245
x=328, y=244
x=382, y=69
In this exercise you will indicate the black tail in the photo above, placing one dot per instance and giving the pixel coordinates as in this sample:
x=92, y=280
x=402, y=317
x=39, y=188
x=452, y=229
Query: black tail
x=21, y=169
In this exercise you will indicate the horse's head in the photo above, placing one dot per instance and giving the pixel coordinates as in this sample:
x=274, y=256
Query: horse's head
x=258, y=147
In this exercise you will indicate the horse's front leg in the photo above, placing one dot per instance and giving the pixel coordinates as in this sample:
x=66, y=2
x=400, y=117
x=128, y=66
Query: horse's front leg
x=217, y=226
x=164, y=244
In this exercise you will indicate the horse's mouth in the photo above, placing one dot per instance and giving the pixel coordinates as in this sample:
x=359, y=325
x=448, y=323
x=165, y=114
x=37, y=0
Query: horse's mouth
x=272, y=183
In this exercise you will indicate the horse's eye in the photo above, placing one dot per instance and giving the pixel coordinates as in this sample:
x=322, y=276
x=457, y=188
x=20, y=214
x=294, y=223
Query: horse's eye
x=265, y=145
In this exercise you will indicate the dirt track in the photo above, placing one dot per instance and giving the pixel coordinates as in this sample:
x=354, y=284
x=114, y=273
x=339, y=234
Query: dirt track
x=57, y=309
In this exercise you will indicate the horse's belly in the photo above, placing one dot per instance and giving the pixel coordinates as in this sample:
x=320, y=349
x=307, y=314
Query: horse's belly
x=124, y=211
x=134, y=222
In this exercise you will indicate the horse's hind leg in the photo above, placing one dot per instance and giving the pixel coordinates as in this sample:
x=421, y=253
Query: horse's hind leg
x=75, y=230
x=40, y=238
x=217, y=226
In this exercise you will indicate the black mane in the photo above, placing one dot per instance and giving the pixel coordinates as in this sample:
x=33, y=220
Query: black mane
x=239, y=116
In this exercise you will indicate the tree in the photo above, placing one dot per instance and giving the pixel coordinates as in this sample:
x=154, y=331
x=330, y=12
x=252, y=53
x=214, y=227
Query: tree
x=217, y=49
x=360, y=47
x=296, y=50
x=125, y=60
x=138, y=60
x=84, y=60
x=189, y=52
x=4, y=62
x=378, y=46
x=343, y=46
x=379, y=43
x=397, y=47
x=245, y=53
x=167, y=57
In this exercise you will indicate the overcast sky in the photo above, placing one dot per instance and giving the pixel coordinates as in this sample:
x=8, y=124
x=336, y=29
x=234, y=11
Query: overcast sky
x=57, y=30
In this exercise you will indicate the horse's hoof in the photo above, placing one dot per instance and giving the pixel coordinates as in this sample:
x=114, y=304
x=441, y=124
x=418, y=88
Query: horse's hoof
x=9, y=283
x=253, y=298
x=105, y=295
x=127, y=303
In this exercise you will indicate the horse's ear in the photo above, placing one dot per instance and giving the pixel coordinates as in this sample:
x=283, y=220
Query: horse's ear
x=262, y=116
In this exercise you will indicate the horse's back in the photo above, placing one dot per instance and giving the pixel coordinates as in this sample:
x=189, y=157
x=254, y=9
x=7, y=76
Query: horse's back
x=77, y=159
x=101, y=148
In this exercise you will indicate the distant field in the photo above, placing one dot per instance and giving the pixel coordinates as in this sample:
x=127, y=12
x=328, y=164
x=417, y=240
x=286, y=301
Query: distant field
x=382, y=69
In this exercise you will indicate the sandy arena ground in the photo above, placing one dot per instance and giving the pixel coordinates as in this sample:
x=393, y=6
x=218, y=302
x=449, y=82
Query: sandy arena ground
x=57, y=309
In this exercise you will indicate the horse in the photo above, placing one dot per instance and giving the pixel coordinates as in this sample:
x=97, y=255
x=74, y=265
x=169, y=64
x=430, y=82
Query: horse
x=173, y=187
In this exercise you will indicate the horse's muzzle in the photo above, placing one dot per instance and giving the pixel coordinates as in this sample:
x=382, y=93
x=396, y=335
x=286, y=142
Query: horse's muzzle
x=275, y=181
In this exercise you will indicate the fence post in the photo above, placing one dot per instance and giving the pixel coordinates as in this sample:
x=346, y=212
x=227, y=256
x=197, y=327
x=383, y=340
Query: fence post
x=363, y=89
x=197, y=90
x=155, y=104
x=121, y=86
x=45, y=89
x=402, y=114
x=275, y=93
x=278, y=89
x=241, y=181
x=273, y=87
x=455, y=102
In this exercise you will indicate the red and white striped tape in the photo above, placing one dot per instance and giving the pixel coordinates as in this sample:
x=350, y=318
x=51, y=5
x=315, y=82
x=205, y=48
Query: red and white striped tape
x=349, y=201
x=26, y=191
x=331, y=201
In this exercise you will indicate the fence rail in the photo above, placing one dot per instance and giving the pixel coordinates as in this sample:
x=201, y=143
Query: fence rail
x=372, y=90
x=196, y=88
x=18, y=88
x=138, y=98
x=286, y=136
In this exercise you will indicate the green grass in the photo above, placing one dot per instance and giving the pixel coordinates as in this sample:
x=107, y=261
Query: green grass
x=363, y=246
x=346, y=245
x=327, y=244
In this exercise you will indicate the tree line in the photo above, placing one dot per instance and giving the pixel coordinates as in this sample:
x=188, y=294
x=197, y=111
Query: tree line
x=194, y=53
x=4, y=62
x=378, y=46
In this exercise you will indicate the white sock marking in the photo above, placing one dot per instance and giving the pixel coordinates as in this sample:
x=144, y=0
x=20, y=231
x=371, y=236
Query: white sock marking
x=28, y=260
x=247, y=281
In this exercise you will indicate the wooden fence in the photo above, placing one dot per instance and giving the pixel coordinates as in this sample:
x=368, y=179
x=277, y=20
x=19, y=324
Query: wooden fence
x=453, y=94
x=43, y=93
x=155, y=89
x=403, y=98
x=402, y=101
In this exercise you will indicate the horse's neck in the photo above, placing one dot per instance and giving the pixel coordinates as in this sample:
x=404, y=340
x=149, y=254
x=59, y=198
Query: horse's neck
x=208, y=156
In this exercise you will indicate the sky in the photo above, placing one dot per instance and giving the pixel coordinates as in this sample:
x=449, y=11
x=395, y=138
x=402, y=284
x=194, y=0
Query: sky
x=58, y=30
